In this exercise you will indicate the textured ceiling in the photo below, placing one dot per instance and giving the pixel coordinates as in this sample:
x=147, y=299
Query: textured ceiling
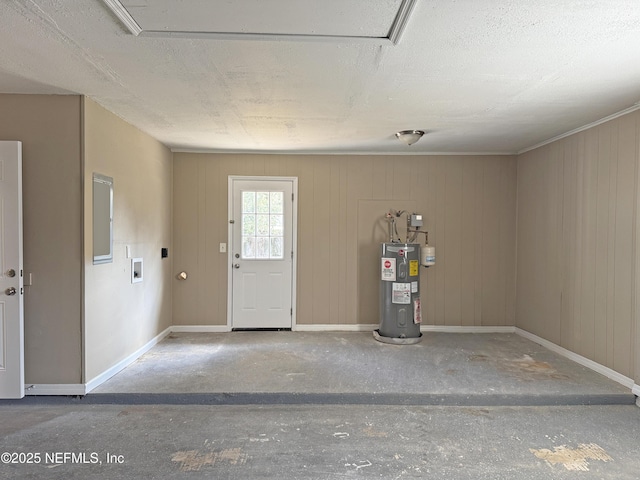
x=478, y=75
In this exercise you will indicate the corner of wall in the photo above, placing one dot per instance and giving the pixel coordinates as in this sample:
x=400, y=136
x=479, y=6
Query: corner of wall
x=141, y=168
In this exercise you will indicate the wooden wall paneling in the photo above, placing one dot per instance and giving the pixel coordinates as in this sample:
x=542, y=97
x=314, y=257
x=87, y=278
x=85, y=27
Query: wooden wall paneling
x=305, y=274
x=453, y=241
x=478, y=222
x=468, y=243
x=568, y=244
x=526, y=230
x=322, y=254
x=429, y=277
x=554, y=276
x=508, y=226
x=492, y=300
x=186, y=252
x=200, y=268
x=448, y=191
x=506, y=241
x=602, y=135
x=534, y=246
x=380, y=186
x=546, y=231
x=624, y=231
x=439, y=274
x=345, y=289
x=359, y=180
x=612, y=156
x=216, y=263
x=336, y=248
x=586, y=305
x=398, y=173
x=582, y=294
x=417, y=183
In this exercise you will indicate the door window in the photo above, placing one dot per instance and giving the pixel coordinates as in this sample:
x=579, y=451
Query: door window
x=262, y=225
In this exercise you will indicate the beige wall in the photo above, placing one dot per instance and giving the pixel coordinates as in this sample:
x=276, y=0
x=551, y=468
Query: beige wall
x=577, y=243
x=120, y=317
x=49, y=128
x=577, y=236
x=468, y=204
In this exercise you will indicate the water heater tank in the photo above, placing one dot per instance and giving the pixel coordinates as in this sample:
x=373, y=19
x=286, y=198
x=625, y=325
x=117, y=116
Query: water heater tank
x=400, y=309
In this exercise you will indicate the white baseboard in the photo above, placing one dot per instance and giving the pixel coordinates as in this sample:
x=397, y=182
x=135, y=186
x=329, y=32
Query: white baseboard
x=467, y=329
x=66, y=389
x=200, y=329
x=107, y=374
x=369, y=327
x=636, y=390
x=584, y=361
x=329, y=327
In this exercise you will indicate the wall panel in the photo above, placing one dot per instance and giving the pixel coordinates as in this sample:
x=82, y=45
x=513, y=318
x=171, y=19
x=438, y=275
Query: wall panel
x=469, y=209
x=577, y=243
x=49, y=128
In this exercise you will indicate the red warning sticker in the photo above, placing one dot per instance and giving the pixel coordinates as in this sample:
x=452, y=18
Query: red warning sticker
x=388, y=273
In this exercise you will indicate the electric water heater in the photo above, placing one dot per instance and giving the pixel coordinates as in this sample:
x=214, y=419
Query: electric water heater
x=400, y=311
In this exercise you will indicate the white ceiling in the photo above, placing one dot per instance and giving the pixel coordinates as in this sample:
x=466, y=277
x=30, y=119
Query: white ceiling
x=481, y=76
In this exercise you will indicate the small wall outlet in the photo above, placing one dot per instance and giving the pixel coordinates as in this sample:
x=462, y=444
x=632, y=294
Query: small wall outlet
x=223, y=248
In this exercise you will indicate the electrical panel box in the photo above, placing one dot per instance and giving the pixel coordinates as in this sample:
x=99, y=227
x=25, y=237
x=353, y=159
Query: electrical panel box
x=415, y=220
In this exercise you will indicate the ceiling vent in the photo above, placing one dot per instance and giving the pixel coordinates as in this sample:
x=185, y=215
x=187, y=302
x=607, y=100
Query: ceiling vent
x=382, y=22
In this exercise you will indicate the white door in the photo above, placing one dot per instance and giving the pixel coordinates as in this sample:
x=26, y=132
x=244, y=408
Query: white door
x=262, y=239
x=11, y=303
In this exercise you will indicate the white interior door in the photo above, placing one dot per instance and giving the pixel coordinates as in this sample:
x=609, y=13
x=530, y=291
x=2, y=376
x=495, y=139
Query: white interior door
x=262, y=252
x=11, y=284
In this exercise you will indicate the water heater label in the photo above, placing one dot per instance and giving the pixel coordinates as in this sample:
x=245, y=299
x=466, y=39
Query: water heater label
x=401, y=293
x=413, y=268
x=417, y=311
x=389, y=269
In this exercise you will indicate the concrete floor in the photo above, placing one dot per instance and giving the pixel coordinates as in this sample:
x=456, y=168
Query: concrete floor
x=294, y=405
x=441, y=368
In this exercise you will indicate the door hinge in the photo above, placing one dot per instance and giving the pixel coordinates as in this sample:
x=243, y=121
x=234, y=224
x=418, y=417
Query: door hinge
x=291, y=254
x=291, y=312
x=292, y=197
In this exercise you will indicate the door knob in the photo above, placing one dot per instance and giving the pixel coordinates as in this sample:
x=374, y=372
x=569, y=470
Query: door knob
x=236, y=265
x=11, y=273
x=10, y=291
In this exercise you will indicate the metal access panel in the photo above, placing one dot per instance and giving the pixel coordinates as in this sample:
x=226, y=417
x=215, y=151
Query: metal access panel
x=400, y=311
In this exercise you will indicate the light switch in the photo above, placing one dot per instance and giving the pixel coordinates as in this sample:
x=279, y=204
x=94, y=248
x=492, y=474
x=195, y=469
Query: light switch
x=223, y=248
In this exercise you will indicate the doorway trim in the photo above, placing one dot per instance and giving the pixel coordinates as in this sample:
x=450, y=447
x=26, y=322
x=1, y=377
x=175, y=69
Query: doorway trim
x=294, y=242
